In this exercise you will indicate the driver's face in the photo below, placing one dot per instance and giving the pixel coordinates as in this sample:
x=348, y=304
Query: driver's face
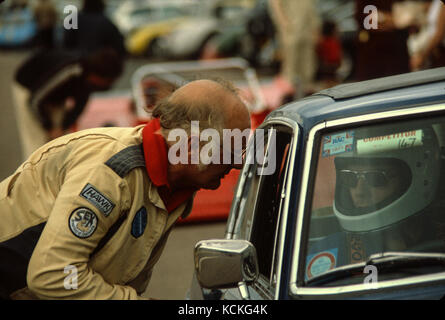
x=367, y=192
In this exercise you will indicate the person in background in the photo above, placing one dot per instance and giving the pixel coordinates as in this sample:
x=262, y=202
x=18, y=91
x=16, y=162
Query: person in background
x=45, y=15
x=383, y=51
x=432, y=53
x=329, y=52
x=297, y=24
x=51, y=89
x=95, y=31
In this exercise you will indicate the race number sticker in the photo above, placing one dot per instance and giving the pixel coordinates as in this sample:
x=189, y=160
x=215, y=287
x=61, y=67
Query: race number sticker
x=321, y=262
x=338, y=143
x=394, y=141
x=83, y=222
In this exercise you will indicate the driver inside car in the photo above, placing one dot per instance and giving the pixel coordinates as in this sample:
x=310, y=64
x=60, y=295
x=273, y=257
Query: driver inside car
x=385, y=192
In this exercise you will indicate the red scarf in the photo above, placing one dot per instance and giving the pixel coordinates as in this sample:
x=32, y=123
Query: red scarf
x=156, y=162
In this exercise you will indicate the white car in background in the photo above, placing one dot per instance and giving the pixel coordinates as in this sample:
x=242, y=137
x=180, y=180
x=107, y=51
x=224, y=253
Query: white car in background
x=190, y=37
x=132, y=15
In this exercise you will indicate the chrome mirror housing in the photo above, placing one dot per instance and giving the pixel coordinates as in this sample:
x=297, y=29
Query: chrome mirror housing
x=225, y=263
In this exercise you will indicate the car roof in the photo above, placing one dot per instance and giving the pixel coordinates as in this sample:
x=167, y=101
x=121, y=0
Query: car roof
x=382, y=94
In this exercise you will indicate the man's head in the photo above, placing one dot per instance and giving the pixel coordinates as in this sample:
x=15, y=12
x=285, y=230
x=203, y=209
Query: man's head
x=102, y=68
x=216, y=108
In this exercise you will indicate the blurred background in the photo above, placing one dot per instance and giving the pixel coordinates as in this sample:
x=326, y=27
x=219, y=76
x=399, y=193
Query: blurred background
x=275, y=51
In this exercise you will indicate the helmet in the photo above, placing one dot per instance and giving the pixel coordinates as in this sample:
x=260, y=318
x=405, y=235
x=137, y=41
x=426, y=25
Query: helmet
x=404, y=162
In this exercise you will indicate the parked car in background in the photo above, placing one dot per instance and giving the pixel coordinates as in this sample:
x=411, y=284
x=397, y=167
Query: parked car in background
x=130, y=15
x=215, y=17
x=17, y=25
x=148, y=25
x=346, y=201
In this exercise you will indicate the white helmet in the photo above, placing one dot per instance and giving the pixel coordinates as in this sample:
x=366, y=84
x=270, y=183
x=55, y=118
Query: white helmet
x=415, y=155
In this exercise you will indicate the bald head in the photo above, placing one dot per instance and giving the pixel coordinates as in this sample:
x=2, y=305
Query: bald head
x=205, y=101
x=216, y=106
x=220, y=96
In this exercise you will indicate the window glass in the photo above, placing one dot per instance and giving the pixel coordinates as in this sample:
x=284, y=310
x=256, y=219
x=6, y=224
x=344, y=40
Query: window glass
x=377, y=190
x=262, y=195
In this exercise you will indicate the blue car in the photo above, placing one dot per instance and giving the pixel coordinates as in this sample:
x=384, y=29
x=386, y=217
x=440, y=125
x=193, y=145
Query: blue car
x=17, y=28
x=341, y=197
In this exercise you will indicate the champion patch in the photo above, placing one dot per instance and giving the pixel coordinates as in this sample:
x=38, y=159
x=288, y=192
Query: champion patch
x=139, y=223
x=83, y=222
x=97, y=199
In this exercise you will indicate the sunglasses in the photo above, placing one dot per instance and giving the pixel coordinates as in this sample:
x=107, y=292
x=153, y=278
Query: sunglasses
x=374, y=178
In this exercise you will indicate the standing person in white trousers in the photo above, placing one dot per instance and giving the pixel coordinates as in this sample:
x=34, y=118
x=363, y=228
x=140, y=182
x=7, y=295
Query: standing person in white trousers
x=297, y=24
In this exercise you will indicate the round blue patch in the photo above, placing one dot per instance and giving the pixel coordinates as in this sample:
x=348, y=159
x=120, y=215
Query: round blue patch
x=139, y=223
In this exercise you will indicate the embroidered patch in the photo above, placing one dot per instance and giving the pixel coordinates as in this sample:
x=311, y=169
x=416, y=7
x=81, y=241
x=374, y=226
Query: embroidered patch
x=82, y=222
x=139, y=223
x=97, y=199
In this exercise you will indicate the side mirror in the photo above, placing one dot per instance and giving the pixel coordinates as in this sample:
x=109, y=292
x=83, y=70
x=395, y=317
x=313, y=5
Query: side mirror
x=225, y=263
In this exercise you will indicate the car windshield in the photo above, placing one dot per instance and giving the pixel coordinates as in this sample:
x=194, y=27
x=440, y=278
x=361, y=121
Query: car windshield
x=378, y=189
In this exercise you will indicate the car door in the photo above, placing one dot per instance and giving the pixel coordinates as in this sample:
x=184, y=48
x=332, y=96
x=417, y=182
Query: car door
x=257, y=212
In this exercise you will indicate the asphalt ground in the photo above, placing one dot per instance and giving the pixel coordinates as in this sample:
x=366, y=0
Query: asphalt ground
x=173, y=273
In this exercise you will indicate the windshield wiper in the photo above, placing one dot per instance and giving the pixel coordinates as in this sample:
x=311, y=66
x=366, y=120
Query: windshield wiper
x=384, y=261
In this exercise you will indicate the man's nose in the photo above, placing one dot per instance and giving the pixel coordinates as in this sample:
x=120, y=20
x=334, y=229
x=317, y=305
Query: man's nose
x=361, y=183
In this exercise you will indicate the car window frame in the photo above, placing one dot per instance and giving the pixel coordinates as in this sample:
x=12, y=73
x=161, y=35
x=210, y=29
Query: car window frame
x=296, y=283
x=264, y=287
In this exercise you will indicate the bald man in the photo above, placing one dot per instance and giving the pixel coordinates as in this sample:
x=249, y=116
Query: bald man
x=88, y=214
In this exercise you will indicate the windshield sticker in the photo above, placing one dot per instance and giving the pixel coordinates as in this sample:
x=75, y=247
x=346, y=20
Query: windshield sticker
x=338, y=143
x=321, y=262
x=395, y=141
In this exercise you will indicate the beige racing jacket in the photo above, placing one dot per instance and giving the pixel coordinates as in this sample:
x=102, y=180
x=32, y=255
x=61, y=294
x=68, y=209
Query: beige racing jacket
x=80, y=219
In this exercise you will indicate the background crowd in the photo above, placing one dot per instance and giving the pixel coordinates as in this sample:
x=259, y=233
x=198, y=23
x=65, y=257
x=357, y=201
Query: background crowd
x=304, y=46
x=310, y=39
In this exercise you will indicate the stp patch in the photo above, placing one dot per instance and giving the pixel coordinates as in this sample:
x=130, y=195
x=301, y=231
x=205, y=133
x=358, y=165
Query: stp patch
x=82, y=222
